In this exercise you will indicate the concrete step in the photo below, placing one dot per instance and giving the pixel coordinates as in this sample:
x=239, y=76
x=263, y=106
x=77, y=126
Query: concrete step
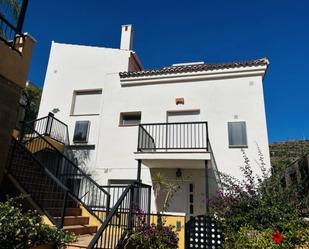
x=81, y=243
x=73, y=220
x=81, y=229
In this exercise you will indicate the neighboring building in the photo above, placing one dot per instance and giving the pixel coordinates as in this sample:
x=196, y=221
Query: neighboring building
x=176, y=120
x=15, y=55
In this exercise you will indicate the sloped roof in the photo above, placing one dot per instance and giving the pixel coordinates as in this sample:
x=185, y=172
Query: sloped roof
x=195, y=68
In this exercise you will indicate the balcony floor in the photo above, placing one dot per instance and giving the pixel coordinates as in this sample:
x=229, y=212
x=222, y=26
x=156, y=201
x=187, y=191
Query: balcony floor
x=173, y=160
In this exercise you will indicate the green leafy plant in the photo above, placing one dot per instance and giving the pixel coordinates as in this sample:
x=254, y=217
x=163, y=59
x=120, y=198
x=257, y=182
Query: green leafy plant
x=160, y=184
x=20, y=229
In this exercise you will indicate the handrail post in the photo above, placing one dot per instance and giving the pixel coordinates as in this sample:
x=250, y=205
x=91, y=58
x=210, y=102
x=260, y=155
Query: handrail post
x=49, y=123
x=63, y=209
x=207, y=187
x=130, y=216
x=21, y=16
x=57, y=168
x=22, y=131
x=149, y=205
x=108, y=201
x=138, y=138
x=12, y=150
x=207, y=141
x=166, y=135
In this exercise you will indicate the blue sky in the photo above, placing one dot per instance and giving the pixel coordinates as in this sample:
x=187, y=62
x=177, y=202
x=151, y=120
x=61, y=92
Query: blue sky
x=168, y=32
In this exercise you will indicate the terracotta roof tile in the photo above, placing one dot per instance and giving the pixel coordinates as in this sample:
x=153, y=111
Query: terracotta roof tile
x=195, y=68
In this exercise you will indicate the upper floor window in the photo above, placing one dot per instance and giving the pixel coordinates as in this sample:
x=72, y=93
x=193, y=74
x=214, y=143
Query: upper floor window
x=86, y=102
x=237, y=134
x=130, y=118
x=81, y=131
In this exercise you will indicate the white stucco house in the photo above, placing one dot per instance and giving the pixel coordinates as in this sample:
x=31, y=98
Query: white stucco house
x=127, y=123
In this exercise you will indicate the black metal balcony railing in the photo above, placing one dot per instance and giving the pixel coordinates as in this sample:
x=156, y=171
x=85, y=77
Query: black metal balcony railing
x=49, y=126
x=173, y=137
x=12, y=17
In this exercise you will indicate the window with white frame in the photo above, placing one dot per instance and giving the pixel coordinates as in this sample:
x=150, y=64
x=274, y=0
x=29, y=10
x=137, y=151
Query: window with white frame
x=86, y=102
x=237, y=134
x=81, y=131
x=130, y=118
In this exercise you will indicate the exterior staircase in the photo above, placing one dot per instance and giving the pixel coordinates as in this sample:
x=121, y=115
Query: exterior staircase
x=41, y=164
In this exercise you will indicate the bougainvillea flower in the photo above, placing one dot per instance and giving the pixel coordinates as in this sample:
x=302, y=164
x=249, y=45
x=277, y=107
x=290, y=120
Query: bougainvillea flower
x=277, y=237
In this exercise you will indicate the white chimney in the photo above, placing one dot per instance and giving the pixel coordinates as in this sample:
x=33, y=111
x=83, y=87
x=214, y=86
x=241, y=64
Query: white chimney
x=126, y=42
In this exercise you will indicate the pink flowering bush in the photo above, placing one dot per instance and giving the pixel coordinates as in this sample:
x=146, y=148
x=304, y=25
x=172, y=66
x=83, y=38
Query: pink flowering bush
x=257, y=212
x=152, y=236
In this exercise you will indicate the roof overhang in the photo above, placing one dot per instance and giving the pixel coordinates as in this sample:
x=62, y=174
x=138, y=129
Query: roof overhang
x=194, y=76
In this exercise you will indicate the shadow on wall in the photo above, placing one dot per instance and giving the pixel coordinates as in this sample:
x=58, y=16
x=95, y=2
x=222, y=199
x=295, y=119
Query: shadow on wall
x=82, y=157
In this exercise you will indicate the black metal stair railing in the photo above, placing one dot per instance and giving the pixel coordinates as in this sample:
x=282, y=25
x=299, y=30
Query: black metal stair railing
x=48, y=126
x=123, y=217
x=37, y=140
x=173, y=137
x=86, y=190
x=51, y=195
x=53, y=128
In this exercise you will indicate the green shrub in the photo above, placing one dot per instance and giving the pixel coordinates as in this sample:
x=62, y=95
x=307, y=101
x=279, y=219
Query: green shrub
x=19, y=229
x=293, y=234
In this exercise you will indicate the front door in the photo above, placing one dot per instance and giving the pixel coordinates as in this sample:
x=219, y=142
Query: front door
x=182, y=201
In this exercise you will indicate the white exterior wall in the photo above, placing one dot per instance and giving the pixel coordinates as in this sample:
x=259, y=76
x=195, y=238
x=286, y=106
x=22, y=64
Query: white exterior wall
x=218, y=101
x=74, y=67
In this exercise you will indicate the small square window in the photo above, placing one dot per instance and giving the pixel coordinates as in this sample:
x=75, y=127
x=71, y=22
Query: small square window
x=130, y=118
x=237, y=134
x=81, y=131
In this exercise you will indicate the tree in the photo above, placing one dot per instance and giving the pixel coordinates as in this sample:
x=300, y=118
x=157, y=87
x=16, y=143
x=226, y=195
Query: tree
x=32, y=97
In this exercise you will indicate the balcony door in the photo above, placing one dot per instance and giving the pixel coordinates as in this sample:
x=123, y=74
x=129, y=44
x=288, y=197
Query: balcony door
x=181, y=134
x=183, y=116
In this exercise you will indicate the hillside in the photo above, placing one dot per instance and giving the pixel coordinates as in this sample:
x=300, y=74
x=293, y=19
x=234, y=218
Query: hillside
x=283, y=153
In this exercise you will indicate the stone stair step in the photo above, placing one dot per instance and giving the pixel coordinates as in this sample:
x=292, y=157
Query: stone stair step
x=68, y=211
x=81, y=229
x=73, y=220
x=81, y=243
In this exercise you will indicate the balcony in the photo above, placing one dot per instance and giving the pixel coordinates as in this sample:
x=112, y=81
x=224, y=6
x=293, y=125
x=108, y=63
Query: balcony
x=162, y=142
x=12, y=17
